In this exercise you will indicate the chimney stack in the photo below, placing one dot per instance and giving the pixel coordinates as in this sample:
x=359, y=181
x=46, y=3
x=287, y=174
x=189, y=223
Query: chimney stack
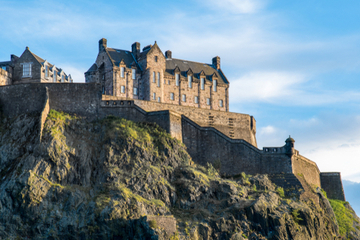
x=168, y=54
x=102, y=44
x=135, y=48
x=216, y=62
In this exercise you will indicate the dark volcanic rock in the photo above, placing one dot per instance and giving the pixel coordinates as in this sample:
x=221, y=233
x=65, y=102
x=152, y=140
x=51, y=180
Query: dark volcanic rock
x=115, y=179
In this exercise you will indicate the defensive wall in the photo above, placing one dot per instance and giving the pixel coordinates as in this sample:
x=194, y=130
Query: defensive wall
x=205, y=143
x=332, y=184
x=233, y=125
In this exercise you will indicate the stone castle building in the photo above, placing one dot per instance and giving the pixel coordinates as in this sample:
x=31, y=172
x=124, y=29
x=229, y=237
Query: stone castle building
x=153, y=76
x=30, y=68
x=187, y=99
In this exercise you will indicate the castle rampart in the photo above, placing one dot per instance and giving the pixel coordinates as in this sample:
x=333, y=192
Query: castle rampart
x=205, y=143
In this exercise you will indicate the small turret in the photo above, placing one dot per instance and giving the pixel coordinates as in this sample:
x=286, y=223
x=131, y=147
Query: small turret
x=290, y=146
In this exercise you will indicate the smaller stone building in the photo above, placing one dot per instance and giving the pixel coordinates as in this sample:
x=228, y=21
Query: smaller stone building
x=30, y=68
x=153, y=76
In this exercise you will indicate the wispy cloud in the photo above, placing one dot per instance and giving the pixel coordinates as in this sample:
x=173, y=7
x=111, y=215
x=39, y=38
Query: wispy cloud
x=236, y=6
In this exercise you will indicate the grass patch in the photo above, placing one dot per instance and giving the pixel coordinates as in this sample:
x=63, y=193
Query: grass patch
x=343, y=216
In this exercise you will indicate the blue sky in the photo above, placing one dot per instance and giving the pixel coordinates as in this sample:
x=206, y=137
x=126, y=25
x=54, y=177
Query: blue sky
x=293, y=65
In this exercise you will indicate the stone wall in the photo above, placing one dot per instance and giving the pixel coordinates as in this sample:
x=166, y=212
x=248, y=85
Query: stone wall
x=233, y=125
x=5, y=77
x=332, y=184
x=206, y=144
x=306, y=168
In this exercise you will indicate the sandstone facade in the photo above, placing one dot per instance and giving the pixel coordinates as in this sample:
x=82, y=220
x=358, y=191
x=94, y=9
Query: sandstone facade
x=153, y=76
x=30, y=68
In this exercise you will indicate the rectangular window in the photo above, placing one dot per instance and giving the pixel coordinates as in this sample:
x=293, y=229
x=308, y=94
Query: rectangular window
x=158, y=79
x=122, y=89
x=177, y=79
x=172, y=96
x=154, y=77
x=46, y=71
x=154, y=96
x=133, y=73
x=62, y=78
x=122, y=70
x=184, y=98
x=190, y=81
x=135, y=91
x=221, y=103
x=208, y=101
x=55, y=78
x=214, y=85
x=168, y=82
x=159, y=99
x=202, y=80
x=27, y=70
x=196, y=99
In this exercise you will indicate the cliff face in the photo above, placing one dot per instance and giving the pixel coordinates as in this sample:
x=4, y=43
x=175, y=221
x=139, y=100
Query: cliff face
x=115, y=179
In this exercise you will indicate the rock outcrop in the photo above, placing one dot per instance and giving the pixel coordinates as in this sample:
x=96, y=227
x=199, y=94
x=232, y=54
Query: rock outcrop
x=116, y=179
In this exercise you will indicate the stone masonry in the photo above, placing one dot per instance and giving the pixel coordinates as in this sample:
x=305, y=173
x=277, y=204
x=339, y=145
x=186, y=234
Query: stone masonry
x=150, y=75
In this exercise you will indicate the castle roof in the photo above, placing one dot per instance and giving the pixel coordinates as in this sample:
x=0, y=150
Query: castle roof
x=196, y=68
x=117, y=55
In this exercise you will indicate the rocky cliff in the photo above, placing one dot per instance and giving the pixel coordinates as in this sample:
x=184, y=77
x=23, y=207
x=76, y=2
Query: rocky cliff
x=115, y=179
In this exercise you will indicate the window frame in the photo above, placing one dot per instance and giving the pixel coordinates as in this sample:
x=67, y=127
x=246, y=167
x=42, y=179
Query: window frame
x=26, y=70
x=183, y=97
x=190, y=81
x=196, y=99
x=177, y=79
x=202, y=83
x=135, y=91
x=122, y=89
x=215, y=85
x=208, y=102
x=172, y=96
x=133, y=71
x=122, y=72
x=221, y=103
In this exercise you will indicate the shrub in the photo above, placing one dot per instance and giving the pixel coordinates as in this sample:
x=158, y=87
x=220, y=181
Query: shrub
x=296, y=215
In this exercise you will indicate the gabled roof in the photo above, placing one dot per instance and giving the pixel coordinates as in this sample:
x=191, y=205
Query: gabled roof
x=93, y=68
x=117, y=55
x=196, y=67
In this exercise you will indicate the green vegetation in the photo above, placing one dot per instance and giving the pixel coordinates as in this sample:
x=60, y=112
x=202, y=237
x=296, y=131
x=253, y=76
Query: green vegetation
x=153, y=224
x=280, y=191
x=296, y=216
x=343, y=216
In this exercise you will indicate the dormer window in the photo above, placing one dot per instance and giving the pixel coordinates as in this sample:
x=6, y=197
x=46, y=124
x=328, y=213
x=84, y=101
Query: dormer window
x=46, y=71
x=190, y=81
x=177, y=79
x=202, y=83
x=122, y=72
x=62, y=78
x=156, y=58
x=214, y=85
x=27, y=70
x=55, y=75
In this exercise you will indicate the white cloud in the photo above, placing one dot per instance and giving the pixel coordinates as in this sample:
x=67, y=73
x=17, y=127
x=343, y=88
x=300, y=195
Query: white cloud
x=264, y=86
